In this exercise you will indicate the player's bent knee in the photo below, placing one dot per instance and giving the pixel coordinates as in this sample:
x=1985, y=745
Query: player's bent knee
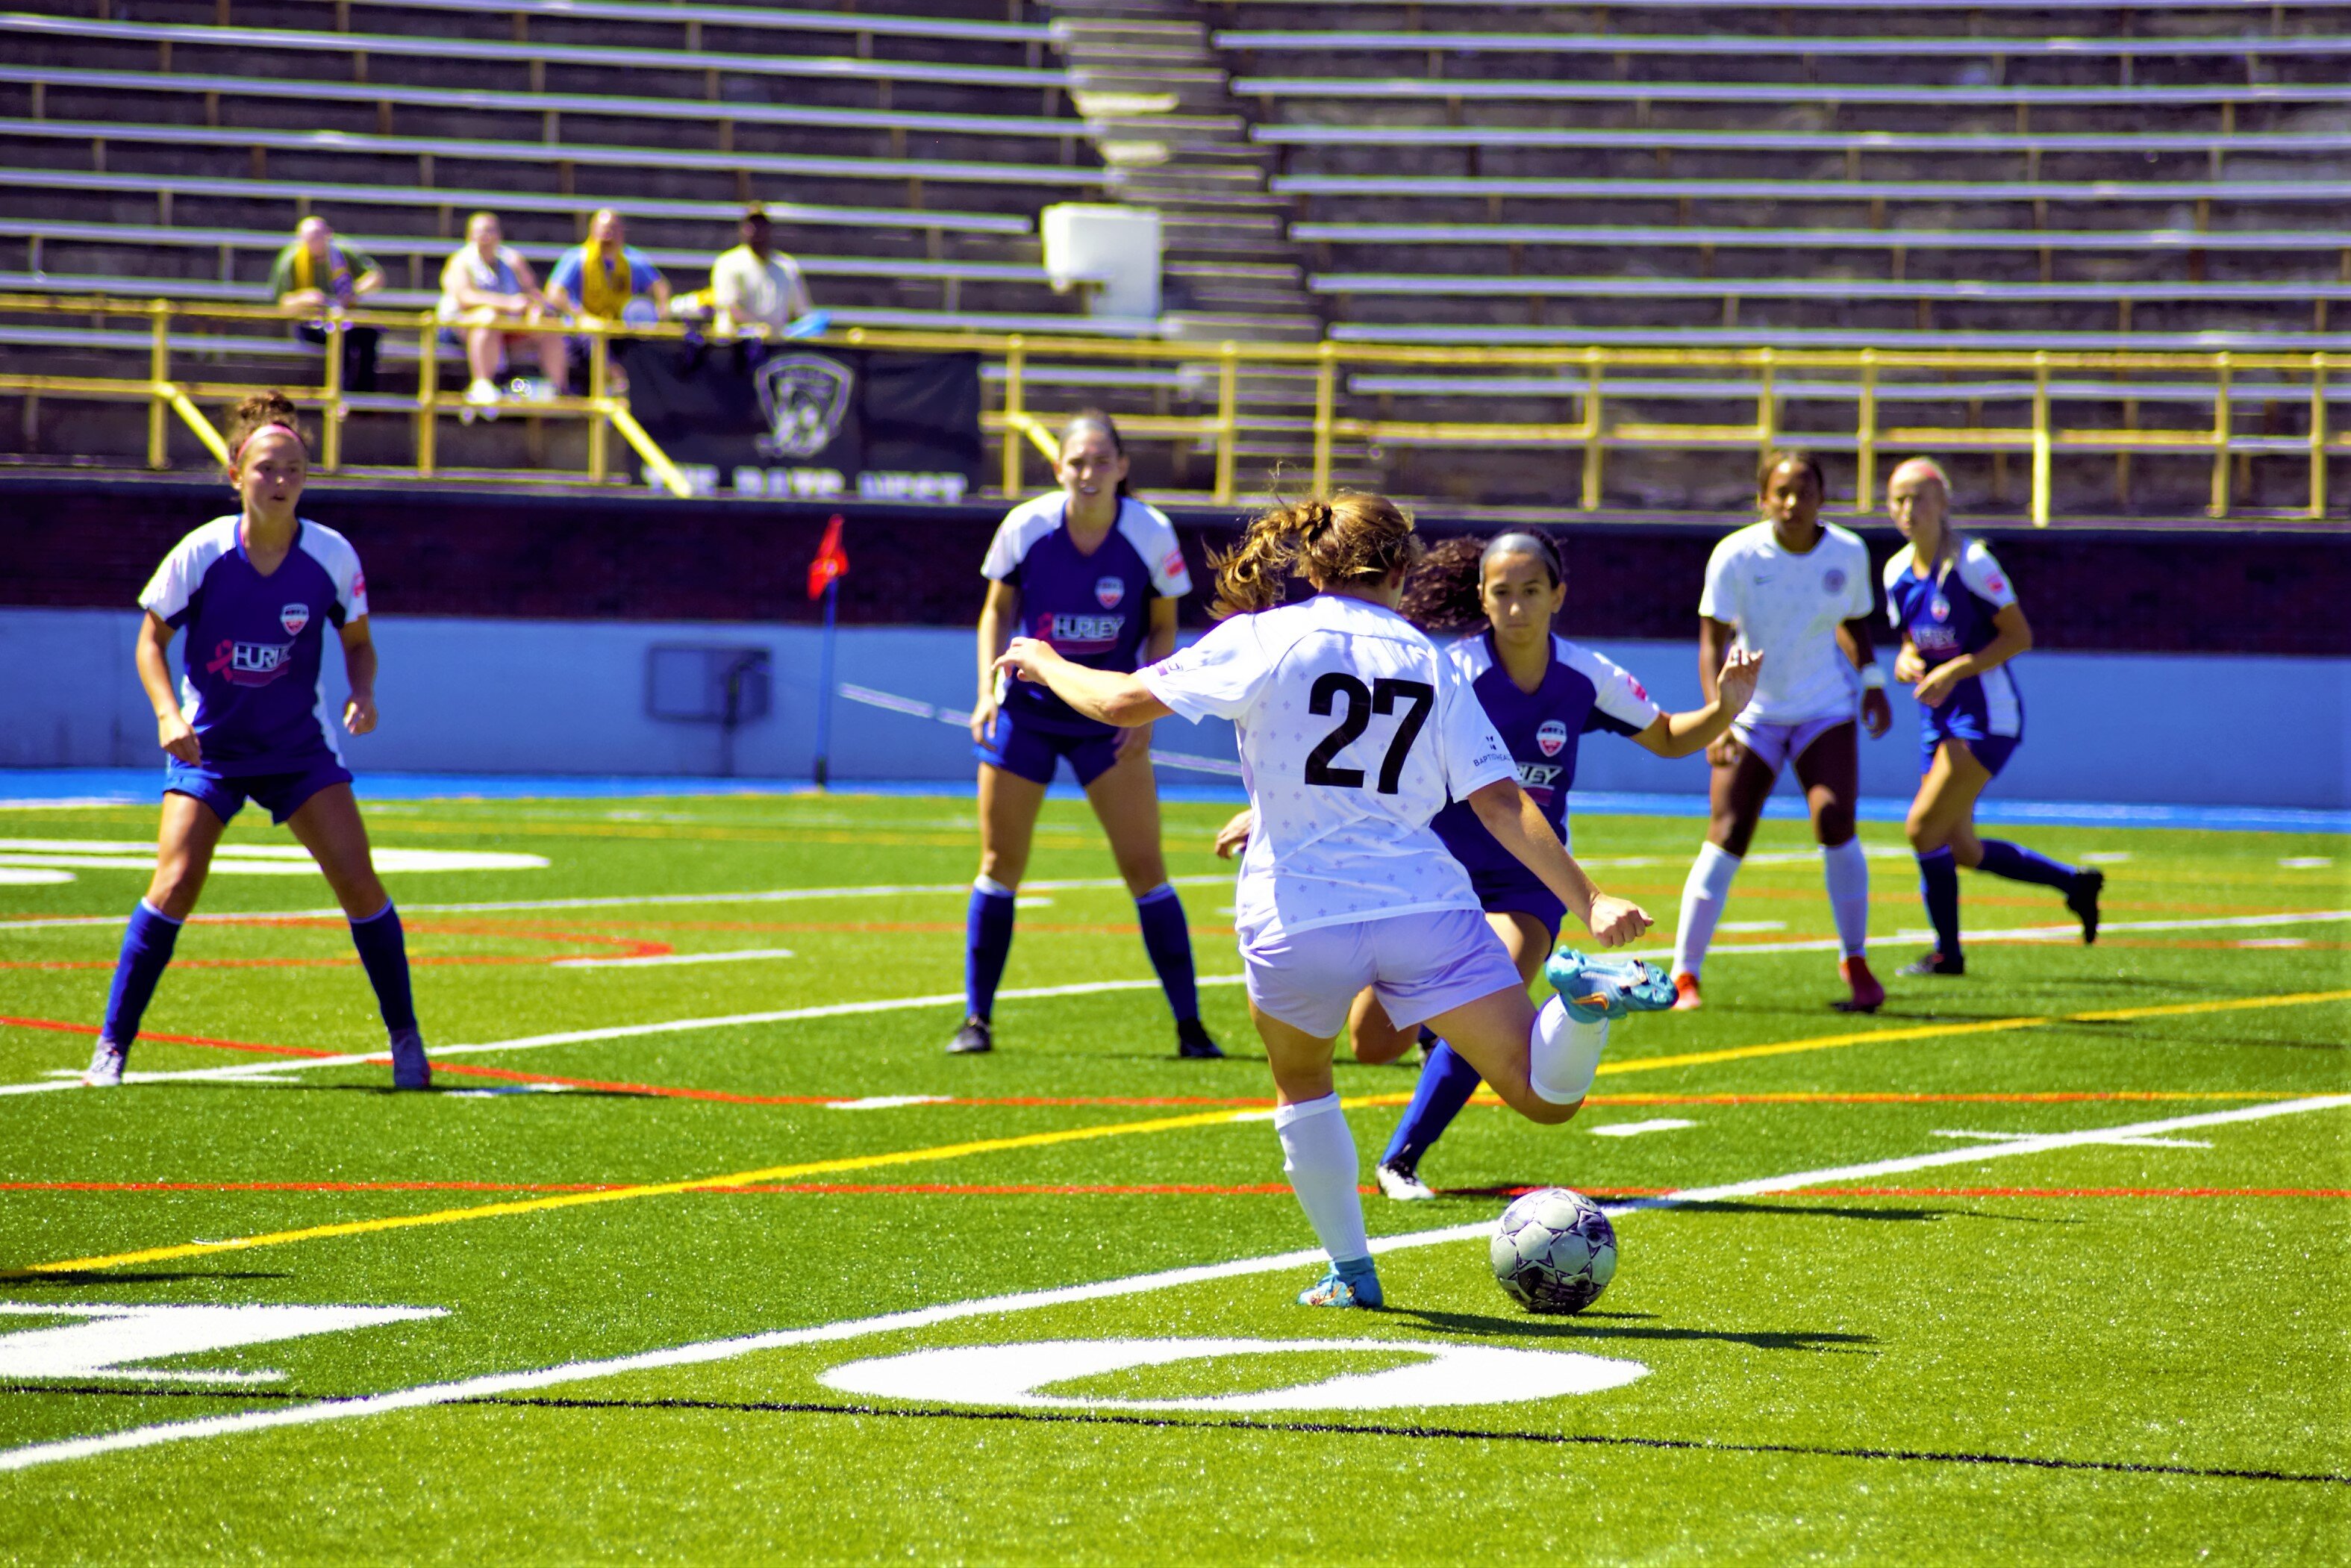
x=1547, y=1113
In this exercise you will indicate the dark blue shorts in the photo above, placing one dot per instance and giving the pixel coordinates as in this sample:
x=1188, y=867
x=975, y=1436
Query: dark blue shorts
x=1516, y=891
x=281, y=794
x=1992, y=751
x=1028, y=752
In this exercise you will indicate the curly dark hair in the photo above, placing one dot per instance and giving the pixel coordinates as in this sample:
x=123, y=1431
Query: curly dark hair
x=1442, y=595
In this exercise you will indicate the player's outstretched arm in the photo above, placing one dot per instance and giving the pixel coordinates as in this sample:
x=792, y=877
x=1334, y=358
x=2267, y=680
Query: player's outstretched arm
x=152, y=655
x=1714, y=640
x=1518, y=825
x=359, y=668
x=1681, y=734
x=1104, y=695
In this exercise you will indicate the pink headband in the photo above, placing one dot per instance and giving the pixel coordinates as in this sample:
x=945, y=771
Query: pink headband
x=235, y=456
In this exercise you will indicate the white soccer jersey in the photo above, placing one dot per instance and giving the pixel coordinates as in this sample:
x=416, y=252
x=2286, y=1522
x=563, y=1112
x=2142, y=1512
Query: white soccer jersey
x=1354, y=728
x=1787, y=608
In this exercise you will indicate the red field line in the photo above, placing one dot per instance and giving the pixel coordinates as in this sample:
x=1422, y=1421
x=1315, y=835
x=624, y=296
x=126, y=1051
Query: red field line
x=63, y=1027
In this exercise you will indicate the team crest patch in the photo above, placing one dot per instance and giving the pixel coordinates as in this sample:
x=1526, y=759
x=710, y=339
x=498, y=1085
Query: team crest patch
x=1940, y=608
x=294, y=617
x=1108, y=591
x=804, y=398
x=1832, y=580
x=1551, y=738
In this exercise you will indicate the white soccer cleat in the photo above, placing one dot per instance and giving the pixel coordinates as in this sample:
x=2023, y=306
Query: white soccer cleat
x=1402, y=1184
x=105, y=1065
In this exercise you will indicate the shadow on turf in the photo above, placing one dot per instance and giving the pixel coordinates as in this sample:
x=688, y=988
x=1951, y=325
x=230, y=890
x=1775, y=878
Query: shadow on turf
x=1807, y=1210
x=1582, y=1327
x=16, y=1281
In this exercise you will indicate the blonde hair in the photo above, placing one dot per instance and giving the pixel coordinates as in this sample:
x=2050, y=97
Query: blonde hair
x=1349, y=538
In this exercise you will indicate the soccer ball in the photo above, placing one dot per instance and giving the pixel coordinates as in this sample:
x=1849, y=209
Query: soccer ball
x=1554, y=1252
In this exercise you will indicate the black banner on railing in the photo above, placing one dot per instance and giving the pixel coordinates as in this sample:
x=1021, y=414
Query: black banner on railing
x=794, y=424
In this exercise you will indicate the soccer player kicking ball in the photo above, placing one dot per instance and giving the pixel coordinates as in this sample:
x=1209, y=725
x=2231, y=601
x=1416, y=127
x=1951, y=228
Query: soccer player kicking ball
x=1960, y=625
x=256, y=591
x=1353, y=729
x=1796, y=591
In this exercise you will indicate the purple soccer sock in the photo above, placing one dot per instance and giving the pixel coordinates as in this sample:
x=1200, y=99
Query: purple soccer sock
x=147, y=944
x=1167, y=937
x=1447, y=1081
x=1939, y=886
x=383, y=952
x=987, y=942
x=2018, y=864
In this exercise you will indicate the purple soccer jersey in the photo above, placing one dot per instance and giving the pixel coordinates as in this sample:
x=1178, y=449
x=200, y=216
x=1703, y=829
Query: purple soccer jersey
x=1096, y=610
x=254, y=686
x=1950, y=614
x=1581, y=692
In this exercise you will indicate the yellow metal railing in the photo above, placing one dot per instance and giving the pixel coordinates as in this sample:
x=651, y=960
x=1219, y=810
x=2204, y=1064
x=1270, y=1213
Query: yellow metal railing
x=1590, y=377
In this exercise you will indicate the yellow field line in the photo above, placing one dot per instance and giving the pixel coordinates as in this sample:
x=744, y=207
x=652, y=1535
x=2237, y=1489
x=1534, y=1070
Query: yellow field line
x=1078, y=1134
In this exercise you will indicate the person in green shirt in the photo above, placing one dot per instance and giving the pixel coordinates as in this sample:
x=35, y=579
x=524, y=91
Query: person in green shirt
x=317, y=275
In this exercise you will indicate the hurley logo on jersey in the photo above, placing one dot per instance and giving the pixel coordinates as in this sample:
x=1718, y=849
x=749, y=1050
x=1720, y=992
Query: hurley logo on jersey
x=1081, y=634
x=1539, y=778
x=249, y=664
x=1935, y=634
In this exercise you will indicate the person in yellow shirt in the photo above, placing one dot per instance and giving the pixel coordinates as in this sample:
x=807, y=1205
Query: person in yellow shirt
x=319, y=275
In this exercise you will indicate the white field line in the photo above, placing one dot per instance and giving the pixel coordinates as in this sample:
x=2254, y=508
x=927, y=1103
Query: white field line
x=732, y=956
x=616, y=1032
x=2069, y=932
x=709, y=1351
x=631, y=901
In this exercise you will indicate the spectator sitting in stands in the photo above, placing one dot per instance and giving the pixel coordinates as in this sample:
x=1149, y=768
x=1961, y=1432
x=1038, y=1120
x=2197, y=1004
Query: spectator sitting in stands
x=754, y=290
x=485, y=287
x=607, y=279
x=316, y=277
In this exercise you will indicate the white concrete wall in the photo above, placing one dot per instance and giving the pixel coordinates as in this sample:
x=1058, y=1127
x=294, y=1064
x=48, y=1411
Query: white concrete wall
x=538, y=696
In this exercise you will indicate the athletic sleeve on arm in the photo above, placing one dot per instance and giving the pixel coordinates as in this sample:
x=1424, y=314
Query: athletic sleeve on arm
x=1983, y=577
x=1860, y=603
x=1893, y=575
x=1620, y=704
x=1468, y=745
x=1219, y=676
x=1154, y=539
x=1719, y=601
x=1010, y=548
x=173, y=588
x=341, y=562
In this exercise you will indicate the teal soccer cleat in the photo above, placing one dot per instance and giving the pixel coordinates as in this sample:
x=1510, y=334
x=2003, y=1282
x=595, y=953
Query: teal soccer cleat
x=1597, y=988
x=1335, y=1289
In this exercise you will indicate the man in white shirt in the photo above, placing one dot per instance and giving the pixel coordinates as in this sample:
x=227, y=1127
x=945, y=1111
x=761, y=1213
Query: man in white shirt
x=754, y=290
x=1797, y=591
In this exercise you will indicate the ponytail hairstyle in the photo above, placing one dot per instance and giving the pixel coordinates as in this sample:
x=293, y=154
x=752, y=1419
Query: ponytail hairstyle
x=1446, y=591
x=1096, y=419
x=1795, y=457
x=271, y=410
x=1350, y=537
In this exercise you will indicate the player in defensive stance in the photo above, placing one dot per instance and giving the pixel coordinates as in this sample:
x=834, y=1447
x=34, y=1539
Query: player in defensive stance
x=1095, y=573
x=1543, y=693
x=1796, y=591
x=256, y=591
x=1961, y=624
x=1353, y=729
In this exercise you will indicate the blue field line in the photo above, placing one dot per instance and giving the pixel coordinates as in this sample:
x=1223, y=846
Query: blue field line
x=128, y=786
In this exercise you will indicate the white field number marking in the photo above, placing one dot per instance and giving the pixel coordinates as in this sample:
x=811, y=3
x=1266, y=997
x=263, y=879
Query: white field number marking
x=1012, y=1374
x=1635, y=1129
x=108, y=1338
x=2306, y=862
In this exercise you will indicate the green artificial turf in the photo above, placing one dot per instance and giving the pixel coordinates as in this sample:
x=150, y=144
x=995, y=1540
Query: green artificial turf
x=2096, y=1352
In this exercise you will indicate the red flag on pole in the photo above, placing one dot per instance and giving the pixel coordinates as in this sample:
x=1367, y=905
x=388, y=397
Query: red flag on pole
x=832, y=562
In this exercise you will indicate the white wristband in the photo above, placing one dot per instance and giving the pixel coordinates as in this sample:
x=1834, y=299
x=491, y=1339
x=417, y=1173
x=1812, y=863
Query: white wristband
x=1873, y=679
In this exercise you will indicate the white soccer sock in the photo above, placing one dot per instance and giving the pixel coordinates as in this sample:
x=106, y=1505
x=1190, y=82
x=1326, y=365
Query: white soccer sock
x=1705, y=893
x=1319, y=1157
x=1562, y=1055
x=1847, y=872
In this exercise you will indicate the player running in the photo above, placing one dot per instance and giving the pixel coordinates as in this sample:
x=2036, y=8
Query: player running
x=1354, y=728
x=1095, y=573
x=1961, y=624
x=1796, y=591
x=256, y=591
x=1543, y=693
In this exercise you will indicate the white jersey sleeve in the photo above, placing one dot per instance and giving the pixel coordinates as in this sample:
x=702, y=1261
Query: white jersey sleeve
x=1154, y=539
x=1895, y=569
x=1719, y=601
x=1470, y=747
x=1982, y=576
x=1860, y=603
x=1219, y=676
x=175, y=584
x=1017, y=534
x=334, y=552
x=1614, y=690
